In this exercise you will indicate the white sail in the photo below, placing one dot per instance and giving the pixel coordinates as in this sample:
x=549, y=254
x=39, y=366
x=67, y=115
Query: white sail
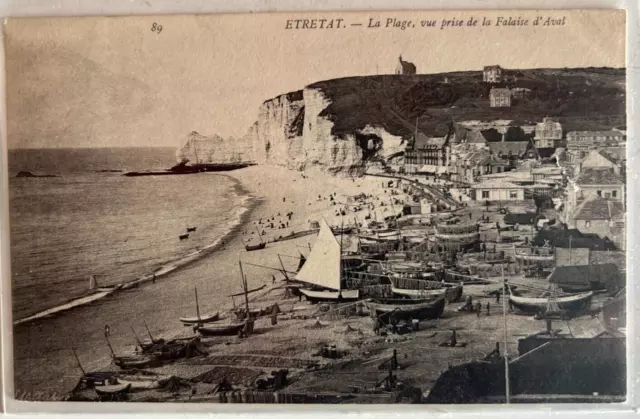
x=322, y=267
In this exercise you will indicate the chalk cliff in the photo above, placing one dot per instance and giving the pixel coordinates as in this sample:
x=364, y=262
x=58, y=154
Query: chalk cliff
x=343, y=126
x=294, y=130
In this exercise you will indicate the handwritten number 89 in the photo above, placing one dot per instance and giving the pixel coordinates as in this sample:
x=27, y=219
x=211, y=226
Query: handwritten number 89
x=156, y=28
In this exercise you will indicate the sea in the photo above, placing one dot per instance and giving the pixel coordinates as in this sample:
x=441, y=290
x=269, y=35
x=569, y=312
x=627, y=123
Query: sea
x=91, y=220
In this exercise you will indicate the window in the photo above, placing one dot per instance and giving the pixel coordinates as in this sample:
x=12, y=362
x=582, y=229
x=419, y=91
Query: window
x=614, y=194
x=599, y=193
x=513, y=194
x=485, y=194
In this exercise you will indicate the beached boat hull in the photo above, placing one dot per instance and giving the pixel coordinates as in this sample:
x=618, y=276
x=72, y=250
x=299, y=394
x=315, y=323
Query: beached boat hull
x=188, y=321
x=252, y=247
x=419, y=293
x=532, y=305
x=330, y=296
x=453, y=293
x=223, y=330
x=134, y=362
x=423, y=311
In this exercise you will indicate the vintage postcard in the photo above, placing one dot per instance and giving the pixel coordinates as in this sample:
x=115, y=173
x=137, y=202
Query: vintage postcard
x=372, y=207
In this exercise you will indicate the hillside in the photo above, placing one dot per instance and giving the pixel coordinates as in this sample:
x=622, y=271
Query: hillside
x=343, y=124
x=591, y=96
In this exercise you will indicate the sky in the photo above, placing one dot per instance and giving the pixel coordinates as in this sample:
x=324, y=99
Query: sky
x=113, y=82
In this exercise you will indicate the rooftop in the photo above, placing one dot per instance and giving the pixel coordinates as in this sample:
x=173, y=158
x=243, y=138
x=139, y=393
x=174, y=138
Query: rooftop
x=500, y=91
x=423, y=142
x=497, y=184
x=596, y=133
x=598, y=209
x=598, y=176
x=515, y=148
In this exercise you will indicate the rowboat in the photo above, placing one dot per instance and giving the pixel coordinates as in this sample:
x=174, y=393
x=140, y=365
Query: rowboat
x=207, y=318
x=136, y=361
x=426, y=310
x=535, y=305
x=330, y=296
x=221, y=330
x=252, y=247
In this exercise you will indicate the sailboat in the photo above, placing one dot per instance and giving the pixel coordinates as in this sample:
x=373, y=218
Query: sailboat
x=233, y=328
x=323, y=269
x=207, y=318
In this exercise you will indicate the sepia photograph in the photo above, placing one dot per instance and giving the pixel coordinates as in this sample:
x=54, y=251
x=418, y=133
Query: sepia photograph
x=412, y=207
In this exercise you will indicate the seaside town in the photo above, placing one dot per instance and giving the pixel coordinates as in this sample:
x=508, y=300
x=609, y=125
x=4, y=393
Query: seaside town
x=484, y=263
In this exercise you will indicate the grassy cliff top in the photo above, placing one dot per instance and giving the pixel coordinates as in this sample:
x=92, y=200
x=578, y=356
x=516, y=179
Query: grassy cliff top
x=581, y=98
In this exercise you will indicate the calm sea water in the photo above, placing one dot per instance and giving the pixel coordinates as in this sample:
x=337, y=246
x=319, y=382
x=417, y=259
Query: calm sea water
x=85, y=222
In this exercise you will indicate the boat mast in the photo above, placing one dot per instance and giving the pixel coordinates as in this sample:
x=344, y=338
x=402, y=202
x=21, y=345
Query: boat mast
x=78, y=359
x=341, y=234
x=506, y=358
x=284, y=271
x=148, y=331
x=244, y=287
x=197, y=305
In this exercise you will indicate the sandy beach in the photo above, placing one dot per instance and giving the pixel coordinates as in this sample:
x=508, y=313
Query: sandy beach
x=43, y=363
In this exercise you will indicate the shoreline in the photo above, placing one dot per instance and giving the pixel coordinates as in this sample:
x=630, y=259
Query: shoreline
x=42, y=356
x=250, y=203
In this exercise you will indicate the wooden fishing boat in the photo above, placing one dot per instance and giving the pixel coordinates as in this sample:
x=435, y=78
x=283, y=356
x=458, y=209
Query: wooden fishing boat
x=425, y=293
x=252, y=247
x=191, y=229
x=136, y=361
x=401, y=301
x=330, y=296
x=207, y=318
x=221, y=330
x=138, y=384
x=113, y=389
x=426, y=310
x=341, y=230
x=453, y=292
x=183, y=236
x=535, y=305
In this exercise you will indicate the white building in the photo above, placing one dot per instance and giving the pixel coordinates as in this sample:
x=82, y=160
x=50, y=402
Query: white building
x=497, y=190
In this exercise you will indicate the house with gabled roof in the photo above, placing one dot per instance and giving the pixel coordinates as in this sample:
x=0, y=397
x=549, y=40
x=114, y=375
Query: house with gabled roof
x=603, y=217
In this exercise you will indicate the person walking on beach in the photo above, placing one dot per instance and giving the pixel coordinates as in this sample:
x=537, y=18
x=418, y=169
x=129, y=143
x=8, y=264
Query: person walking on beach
x=273, y=279
x=488, y=308
x=498, y=296
x=478, y=308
